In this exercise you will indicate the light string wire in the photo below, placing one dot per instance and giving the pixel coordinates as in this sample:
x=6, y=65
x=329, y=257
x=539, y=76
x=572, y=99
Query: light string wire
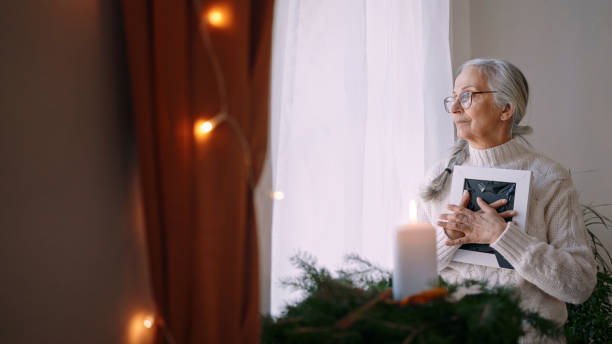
x=166, y=331
x=223, y=115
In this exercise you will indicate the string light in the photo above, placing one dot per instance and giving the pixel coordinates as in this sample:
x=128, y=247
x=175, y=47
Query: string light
x=204, y=126
x=218, y=16
x=277, y=195
x=148, y=322
x=140, y=326
x=215, y=17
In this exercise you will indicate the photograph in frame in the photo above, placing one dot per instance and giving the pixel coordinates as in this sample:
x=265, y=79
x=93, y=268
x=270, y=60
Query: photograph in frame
x=490, y=184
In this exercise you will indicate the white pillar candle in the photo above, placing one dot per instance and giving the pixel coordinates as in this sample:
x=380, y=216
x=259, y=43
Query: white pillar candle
x=415, y=257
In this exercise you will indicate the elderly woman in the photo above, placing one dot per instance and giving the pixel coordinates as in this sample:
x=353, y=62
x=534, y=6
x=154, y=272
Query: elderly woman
x=552, y=262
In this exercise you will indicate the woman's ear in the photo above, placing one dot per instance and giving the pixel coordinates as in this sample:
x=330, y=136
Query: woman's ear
x=507, y=112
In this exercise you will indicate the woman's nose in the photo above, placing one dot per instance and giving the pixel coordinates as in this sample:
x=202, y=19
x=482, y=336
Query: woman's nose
x=456, y=106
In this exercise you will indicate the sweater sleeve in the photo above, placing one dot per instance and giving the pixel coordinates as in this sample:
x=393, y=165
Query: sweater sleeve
x=444, y=252
x=564, y=267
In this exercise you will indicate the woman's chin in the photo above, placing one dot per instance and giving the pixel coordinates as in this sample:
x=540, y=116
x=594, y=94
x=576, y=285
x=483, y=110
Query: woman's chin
x=462, y=134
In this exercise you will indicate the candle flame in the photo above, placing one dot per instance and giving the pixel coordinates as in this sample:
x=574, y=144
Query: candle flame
x=412, y=211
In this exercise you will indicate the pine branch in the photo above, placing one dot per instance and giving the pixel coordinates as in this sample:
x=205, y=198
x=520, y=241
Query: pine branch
x=352, y=307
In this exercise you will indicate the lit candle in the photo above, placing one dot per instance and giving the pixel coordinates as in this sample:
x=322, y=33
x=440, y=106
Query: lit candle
x=415, y=257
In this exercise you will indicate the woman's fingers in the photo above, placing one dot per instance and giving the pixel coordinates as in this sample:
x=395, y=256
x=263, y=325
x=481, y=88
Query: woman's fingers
x=477, y=227
x=483, y=205
x=449, y=225
x=451, y=234
x=459, y=241
x=461, y=227
x=465, y=198
x=458, y=210
x=498, y=203
x=508, y=213
x=453, y=217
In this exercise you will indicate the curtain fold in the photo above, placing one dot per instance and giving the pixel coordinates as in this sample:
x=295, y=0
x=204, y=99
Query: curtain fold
x=356, y=120
x=201, y=228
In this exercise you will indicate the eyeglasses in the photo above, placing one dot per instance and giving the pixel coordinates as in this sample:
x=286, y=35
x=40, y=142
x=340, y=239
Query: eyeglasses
x=465, y=99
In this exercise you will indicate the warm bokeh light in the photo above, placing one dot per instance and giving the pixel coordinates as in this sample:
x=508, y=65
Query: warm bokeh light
x=215, y=17
x=148, y=322
x=206, y=127
x=203, y=127
x=218, y=16
x=412, y=211
x=137, y=331
x=278, y=195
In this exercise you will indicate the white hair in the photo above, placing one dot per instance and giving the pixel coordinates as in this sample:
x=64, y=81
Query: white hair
x=512, y=88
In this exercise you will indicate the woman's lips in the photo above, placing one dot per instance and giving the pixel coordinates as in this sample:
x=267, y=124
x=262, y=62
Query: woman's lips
x=461, y=122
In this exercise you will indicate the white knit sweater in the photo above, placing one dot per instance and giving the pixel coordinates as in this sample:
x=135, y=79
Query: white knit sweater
x=552, y=260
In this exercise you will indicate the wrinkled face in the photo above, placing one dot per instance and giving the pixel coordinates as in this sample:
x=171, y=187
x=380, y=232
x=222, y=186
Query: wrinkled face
x=480, y=123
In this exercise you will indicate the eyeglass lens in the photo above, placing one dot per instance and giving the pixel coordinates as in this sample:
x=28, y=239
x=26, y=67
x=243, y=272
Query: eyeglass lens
x=465, y=99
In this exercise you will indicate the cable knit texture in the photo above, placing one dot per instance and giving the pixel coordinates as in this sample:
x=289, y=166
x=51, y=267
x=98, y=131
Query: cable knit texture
x=551, y=256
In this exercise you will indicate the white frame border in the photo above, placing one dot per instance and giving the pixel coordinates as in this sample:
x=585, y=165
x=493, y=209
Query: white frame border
x=522, y=178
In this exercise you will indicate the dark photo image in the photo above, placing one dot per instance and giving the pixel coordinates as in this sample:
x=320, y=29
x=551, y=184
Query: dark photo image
x=490, y=191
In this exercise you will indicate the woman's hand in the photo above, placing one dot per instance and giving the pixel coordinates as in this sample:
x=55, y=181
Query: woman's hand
x=482, y=227
x=452, y=234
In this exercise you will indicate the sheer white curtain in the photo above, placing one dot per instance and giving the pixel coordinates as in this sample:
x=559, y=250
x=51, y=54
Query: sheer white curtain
x=356, y=118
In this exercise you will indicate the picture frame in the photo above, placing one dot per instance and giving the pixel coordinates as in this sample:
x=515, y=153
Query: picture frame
x=490, y=184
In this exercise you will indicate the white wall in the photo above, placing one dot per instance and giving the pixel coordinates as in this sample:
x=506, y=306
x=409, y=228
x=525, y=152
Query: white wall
x=72, y=261
x=565, y=50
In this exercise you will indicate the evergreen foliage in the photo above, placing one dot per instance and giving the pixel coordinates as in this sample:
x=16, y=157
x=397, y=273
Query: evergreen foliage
x=591, y=321
x=333, y=311
x=348, y=308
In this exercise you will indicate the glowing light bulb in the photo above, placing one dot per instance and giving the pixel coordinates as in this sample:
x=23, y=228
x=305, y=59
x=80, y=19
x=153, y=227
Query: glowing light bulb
x=218, y=16
x=215, y=17
x=148, y=322
x=278, y=195
x=203, y=127
x=206, y=127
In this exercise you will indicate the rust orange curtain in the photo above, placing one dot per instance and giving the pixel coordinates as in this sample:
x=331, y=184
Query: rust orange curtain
x=201, y=233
